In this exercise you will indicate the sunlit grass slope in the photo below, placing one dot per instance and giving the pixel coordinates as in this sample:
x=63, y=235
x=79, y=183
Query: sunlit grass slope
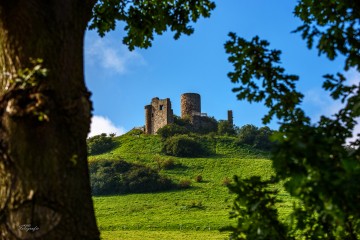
x=194, y=213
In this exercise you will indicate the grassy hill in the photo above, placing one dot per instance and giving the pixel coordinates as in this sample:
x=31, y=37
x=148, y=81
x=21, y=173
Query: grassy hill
x=194, y=213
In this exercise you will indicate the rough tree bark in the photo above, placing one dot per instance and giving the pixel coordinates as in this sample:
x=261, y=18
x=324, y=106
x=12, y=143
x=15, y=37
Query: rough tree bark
x=44, y=180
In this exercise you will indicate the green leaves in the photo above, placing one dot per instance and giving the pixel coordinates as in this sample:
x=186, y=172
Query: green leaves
x=144, y=18
x=100, y=143
x=319, y=170
x=254, y=209
x=335, y=27
x=262, y=79
x=30, y=77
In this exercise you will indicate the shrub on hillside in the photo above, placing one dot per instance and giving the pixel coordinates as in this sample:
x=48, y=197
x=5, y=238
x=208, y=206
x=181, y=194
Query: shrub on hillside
x=183, y=146
x=247, y=134
x=262, y=139
x=100, y=143
x=185, y=183
x=256, y=137
x=198, y=178
x=135, y=132
x=207, y=125
x=226, y=181
x=120, y=177
x=172, y=130
x=168, y=164
x=225, y=128
x=184, y=122
x=141, y=179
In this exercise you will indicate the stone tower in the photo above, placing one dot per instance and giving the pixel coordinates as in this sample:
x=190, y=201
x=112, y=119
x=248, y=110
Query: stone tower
x=157, y=115
x=191, y=108
x=230, y=117
x=190, y=105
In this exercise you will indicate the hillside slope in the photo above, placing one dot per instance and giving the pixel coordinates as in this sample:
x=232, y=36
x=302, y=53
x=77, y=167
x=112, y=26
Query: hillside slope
x=194, y=213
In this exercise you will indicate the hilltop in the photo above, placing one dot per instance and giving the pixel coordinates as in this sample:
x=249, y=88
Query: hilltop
x=193, y=213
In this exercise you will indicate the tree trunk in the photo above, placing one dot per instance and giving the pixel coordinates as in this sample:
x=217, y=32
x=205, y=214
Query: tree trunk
x=44, y=179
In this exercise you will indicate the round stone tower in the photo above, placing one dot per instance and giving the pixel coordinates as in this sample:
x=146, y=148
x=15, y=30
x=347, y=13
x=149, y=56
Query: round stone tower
x=190, y=105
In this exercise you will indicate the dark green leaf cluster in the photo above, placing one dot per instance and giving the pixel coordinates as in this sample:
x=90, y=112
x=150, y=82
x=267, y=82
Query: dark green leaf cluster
x=207, y=125
x=256, y=137
x=30, y=77
x=321, y=173
x=184, y=126
x=100, y=143
x=335, y=24
x=225, y=128
x=313, y=159
x=255, y=211
x=144, y=18
x=262, y=79
x=120, y=177
x=184, y=146
x=172, y=130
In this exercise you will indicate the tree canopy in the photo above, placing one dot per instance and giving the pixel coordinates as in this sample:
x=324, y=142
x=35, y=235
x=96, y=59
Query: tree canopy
x=144, y=18
x=44, y=124
x=312, y=159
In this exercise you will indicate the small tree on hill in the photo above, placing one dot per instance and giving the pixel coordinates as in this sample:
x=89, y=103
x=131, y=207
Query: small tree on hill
x=184, y=146
x=172, y=130
x=100, y=143
x=247, y=134
x=225, y=128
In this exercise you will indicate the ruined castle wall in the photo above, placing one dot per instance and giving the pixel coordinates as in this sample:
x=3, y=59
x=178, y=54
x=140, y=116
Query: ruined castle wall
x=161, y=114
x=191, y=108
x=148, y=120
x=230, y=117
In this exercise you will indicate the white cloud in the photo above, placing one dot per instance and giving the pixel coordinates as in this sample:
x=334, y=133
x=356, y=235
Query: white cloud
x=100, y=124
x=322, y=100
x=327, y=106
x=112, y=56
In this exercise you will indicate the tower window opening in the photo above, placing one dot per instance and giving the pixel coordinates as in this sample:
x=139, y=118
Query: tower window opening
x=161, y=107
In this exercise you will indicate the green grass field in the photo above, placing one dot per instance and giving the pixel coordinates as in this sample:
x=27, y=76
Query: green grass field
x=195, y=213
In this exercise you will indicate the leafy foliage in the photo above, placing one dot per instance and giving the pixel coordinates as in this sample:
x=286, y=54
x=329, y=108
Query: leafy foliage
x=25, y=94
x=184, y=126
x=247, y=134
x=100, y=143
x=120, y=177
x=144, y=18
x=225, y=128
x=253, y=61
x=263, y=139
x=135, y=132
x=171, y=130
x=208, y=125
x=185, y=121
x=184, y=146
x=256, y=137
x=319, y=170
x=335, y=24
x=254, y=209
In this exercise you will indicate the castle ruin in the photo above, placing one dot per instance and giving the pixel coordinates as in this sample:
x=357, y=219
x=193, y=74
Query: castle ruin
x=159, y=113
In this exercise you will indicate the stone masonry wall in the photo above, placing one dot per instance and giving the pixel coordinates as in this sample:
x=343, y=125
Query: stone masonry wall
x=161, y=115
x=191, y=107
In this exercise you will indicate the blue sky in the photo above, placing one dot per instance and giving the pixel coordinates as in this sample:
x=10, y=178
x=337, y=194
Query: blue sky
x=123, y=82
